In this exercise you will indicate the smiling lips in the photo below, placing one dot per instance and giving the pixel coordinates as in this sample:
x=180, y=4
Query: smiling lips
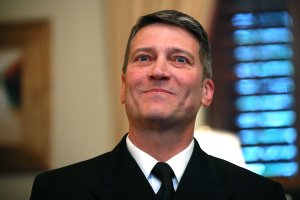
x=158, y=90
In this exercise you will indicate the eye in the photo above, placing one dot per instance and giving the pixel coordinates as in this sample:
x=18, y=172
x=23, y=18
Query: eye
x=143, y=58
x=181, y=59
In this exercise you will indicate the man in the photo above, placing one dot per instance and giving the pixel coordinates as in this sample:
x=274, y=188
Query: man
x=166, y=79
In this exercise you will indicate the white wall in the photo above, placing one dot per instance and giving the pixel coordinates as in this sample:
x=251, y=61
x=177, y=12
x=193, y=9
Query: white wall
x=81, y=119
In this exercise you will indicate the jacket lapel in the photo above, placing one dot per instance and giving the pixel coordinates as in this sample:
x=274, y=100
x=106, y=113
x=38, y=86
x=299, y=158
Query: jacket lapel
x=122, y=178
x=201, y=179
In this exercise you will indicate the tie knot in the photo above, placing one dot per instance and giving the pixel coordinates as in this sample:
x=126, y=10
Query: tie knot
x=162, y=171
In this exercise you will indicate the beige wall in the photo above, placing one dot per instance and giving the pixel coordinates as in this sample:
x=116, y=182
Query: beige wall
x=81, y=122
x=80, y=104
x=83, y=85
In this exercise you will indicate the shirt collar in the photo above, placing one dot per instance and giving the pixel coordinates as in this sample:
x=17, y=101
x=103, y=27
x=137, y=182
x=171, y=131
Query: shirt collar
x=146, y=162
x=179, y=162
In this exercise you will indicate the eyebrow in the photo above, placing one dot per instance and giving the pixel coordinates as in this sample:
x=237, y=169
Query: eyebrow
x=143, y=49
x=178, y=50
x=171, y=49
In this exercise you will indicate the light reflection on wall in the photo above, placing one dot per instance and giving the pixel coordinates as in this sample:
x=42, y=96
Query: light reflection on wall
x=266, y=35
x=266, y=119
x=265, y=102
x=248, y=20
x=265, y=86
x=263, y=52
x=264, y=69
x=268, y=136
x=265, y=89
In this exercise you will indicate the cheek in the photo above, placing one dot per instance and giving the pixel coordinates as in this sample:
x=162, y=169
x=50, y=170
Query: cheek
x=131, y=82
x=191, y=82
x=195, y=90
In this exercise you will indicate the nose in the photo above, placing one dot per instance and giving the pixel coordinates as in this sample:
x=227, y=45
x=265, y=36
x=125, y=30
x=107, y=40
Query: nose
x=159, y=70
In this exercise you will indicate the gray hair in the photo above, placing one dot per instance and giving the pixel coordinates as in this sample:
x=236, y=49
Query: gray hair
x=182, y=20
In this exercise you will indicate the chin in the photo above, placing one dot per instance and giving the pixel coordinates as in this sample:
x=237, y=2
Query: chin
x=158, y=117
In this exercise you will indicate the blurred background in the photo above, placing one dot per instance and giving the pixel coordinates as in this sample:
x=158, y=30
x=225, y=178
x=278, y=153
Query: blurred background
x=60, y=78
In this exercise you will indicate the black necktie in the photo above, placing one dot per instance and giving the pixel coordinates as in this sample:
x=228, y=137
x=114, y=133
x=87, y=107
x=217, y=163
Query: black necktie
x=164, y=173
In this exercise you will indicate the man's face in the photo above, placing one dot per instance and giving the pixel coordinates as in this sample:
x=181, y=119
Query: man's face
x=163, y=82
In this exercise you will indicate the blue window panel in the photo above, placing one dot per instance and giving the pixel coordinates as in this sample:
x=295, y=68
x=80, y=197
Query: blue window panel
x=264, y=69
x=244, y=20
x=266, y=90
x=263, y=52
x=265, y=102
x=267, y=35
x=248, y=20
x=266, y=119
x=269, y=153
x=280, y=169
x=278, y=85
x=263, y=86
x=268, y=136
x=248, y=86
x=253, y=153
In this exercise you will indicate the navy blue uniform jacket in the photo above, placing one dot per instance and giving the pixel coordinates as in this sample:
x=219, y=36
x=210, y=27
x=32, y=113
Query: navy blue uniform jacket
x=115, y=175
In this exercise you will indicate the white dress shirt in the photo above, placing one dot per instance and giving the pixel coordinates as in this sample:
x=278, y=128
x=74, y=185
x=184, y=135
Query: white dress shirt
x=146, y=162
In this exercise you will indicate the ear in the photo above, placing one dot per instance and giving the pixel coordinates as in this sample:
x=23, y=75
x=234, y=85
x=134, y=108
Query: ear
x=123, y=88
x=208, y=88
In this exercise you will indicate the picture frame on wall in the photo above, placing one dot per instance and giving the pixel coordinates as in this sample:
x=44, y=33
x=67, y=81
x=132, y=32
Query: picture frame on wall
x=24, y=96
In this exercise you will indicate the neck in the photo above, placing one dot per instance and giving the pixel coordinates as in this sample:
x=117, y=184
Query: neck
x=161, y=144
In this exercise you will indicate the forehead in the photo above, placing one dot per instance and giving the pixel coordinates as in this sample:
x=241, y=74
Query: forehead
x=164, y=34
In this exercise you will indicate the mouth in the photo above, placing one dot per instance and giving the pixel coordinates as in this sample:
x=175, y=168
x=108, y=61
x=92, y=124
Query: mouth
x=158, y=90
